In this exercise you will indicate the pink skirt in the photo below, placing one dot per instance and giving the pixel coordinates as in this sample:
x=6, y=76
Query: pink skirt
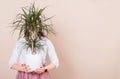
x=31, y=75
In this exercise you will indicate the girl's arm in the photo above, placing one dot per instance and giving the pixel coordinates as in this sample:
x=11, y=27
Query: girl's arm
x=50, y=67
x=53, y=58
x=43, y=69
x=14, y=58
x=18, y=67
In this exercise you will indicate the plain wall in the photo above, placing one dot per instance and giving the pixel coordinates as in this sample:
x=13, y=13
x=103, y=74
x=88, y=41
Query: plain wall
x=87, y=40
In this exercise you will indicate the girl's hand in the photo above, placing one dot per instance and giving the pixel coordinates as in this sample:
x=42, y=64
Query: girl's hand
x=40, y=70
x=24, y=68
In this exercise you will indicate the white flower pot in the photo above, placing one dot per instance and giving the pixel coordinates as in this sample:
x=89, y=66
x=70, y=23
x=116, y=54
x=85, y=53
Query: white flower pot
x=33, y=60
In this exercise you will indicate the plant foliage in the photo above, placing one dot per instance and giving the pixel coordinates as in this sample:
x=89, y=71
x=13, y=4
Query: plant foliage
x=32, y=23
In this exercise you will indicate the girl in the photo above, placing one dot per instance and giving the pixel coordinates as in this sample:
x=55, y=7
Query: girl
x=17, y=60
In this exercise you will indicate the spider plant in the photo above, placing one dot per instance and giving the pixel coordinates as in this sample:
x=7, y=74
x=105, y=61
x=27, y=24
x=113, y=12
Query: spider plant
x=31, y=22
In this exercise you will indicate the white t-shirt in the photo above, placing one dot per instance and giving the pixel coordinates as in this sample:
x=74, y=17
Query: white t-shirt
x=19, y=52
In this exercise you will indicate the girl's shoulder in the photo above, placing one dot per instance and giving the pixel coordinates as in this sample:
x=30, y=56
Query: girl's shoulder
x=46, y=39
x=21, y=40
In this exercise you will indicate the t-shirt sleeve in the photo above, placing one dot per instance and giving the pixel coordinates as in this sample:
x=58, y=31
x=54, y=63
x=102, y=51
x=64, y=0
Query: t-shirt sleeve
x=15, y=54
x=52, y=53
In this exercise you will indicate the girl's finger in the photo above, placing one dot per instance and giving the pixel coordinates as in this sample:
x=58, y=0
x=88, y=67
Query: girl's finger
x=22, y=65
x=41, y=66
x=28, y=69
x=38, y=69
x=26, y=66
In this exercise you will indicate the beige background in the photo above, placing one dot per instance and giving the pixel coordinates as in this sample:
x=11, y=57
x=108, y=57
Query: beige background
x=87, y=41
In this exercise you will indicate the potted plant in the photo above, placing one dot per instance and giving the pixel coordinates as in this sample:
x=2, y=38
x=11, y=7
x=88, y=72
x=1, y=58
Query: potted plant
x=31, y=22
